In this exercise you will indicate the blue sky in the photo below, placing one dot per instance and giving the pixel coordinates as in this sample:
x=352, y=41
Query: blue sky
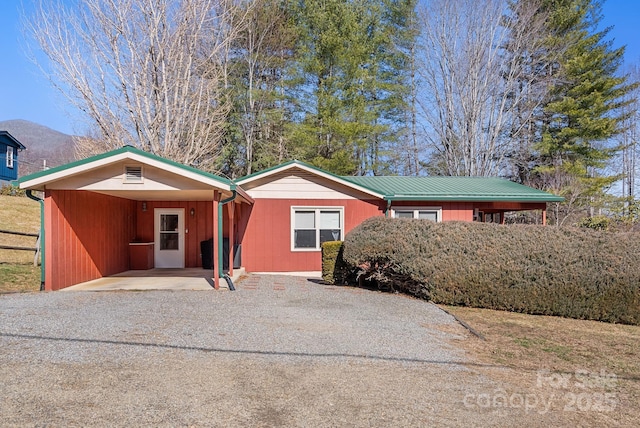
x=26, y=94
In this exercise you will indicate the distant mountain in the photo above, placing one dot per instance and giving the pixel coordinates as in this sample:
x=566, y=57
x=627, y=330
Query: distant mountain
x=42, y=143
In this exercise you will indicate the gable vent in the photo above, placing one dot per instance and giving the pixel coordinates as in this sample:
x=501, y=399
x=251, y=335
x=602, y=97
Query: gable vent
x=133, y=174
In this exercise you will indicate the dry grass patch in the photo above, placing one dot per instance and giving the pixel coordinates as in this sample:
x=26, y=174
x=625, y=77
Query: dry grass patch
x=17, y=273
x=19, y=278
x=562, y=358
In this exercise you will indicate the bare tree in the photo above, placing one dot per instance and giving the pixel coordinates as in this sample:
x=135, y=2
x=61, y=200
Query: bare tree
x=628, y=140
x=474, y=78
x=147, y=73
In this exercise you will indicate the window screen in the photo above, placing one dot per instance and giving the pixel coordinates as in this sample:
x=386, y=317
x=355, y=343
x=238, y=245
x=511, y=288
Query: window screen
x=329, y=226
x=305, y=229
x=404, y=214
x=428, y=215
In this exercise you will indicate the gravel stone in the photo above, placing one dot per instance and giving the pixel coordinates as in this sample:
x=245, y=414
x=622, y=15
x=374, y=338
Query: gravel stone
x=279, y=351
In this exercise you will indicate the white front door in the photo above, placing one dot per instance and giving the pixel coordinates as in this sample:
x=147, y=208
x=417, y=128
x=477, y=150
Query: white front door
x=169, y=237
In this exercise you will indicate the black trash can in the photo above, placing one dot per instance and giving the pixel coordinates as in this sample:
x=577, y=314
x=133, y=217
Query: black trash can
x=237, y=255
x=206, y=250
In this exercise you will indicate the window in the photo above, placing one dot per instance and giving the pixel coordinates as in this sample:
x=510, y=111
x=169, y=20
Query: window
x=9, y=157
x=423, y=213
x=311, y=226
x=169, y=234
x=133, y=174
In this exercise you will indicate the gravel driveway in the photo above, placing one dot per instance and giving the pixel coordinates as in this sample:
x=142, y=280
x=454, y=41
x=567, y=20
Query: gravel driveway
x=279, y=351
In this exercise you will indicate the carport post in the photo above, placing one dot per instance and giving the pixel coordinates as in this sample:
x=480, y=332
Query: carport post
x=216, y=240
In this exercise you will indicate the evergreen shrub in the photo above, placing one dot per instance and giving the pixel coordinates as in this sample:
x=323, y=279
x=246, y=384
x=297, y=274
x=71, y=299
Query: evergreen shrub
x=334, y=269
x=570, y=272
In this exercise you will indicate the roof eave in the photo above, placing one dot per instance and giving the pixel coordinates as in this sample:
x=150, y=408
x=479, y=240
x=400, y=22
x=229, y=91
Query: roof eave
x=462, y=198
x=244, y=195
x=13, y=139
x=38, y=180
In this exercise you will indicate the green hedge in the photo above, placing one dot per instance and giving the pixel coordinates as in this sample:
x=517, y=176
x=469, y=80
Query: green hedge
x=334, y=269
x=569, y=272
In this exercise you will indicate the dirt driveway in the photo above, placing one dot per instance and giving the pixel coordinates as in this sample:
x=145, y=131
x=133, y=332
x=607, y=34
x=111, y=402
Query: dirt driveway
x=279, y=351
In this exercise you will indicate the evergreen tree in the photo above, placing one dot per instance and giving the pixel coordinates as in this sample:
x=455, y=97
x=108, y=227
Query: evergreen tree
x=352, y=91
x=584, y=110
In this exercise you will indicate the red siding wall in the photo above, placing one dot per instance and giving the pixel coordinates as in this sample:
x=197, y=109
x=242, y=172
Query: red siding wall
x=200, y=226
x=509, y=206
x=87, y=236
x=266, y=246
x=451, y=211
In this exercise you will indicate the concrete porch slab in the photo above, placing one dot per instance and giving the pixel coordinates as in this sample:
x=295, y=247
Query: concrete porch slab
x=157, y=279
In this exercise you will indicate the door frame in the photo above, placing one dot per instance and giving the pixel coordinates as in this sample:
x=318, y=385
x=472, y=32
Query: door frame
x=180, y=256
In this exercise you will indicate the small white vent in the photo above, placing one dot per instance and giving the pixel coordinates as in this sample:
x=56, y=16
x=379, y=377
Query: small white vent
x=133, y=174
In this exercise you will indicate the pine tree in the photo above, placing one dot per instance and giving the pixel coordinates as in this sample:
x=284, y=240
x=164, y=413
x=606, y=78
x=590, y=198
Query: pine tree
x=584, y=110
x=352, y=90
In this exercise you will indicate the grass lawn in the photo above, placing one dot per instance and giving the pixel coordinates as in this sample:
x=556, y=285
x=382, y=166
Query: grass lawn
x=17, y=273
x=582, y=364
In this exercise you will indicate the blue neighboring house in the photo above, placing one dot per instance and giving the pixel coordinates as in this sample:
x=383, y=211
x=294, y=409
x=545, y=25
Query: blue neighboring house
x=9, y=148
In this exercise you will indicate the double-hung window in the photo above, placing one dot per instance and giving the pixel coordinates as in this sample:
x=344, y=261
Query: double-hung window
x=426, y=213
x=9, y=157
x=311, y=226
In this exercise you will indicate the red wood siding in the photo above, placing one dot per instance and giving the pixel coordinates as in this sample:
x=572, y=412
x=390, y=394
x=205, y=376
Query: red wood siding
x=200, y=226
x=266, y=246
x=87, y=236
x=510, y=206
x=451, y=211
x=88, y=233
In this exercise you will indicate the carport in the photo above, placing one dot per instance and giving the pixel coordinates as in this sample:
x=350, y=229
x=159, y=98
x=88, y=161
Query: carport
x=131, y=210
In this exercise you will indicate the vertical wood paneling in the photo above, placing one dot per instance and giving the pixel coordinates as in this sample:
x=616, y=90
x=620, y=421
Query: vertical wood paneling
x=49, y=210
x=88, y=236
x=456, y=211
x=266, y=245
x=88, y=233
x=200, y=226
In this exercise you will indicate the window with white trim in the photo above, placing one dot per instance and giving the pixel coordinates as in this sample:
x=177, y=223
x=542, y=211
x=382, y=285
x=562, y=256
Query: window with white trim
x=422, y=213
x=311, y=226
x=9, y=157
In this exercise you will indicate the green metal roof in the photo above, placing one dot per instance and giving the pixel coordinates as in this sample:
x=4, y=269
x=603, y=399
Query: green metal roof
x=125, y=149
x=396, y=188
x=452, y=189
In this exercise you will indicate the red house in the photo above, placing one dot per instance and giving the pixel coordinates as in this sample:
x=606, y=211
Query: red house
x=128, y=209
